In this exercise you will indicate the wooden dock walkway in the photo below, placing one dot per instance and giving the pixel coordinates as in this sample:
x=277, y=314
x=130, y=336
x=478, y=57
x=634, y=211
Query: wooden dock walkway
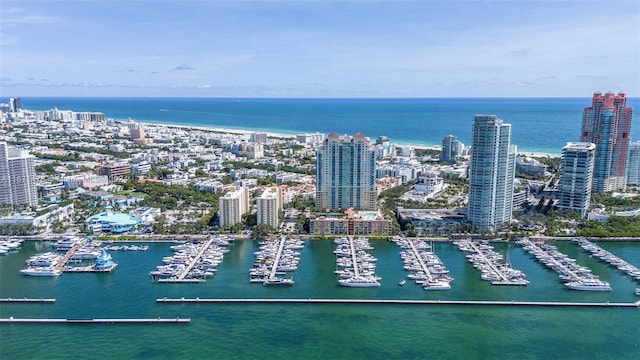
x=27, y=300
x=60, y=266
x=12, y=320
x=398, y=302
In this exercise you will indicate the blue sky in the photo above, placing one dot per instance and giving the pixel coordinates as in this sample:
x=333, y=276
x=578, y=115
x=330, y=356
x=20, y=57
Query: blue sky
x=319, y=48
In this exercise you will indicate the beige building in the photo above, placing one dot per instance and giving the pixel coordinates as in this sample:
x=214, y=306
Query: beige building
x=269, y=205
x=232, y=206
x=355, y=223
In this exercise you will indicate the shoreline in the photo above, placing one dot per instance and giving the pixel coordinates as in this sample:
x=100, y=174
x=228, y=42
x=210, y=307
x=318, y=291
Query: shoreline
x=292, y=136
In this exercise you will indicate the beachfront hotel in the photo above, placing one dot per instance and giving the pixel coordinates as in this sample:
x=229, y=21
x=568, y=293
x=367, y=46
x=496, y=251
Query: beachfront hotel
x=345, y=175
x=17, y=176
x=574, y=187
x=607, y=123
x=232, y=206
x=268, y=207
x=491, y=174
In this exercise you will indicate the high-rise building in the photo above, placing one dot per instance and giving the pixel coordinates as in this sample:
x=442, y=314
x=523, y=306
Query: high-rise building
x=17, y=176
x=491, y=174
x=632, y=170
x=269, y=205
x=574, y=187
x=345, y=173
x=607, y=123
x=15, y=104
x=451, y=149
x=232, y=206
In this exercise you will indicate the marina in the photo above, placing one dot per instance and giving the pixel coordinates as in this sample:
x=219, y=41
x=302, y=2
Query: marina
x=490, y=264
x=577, y=277
x=608, y=257
x=425, y=267
x=129, y=293
x=276, y=257
x=192, y=262
x=355, y=266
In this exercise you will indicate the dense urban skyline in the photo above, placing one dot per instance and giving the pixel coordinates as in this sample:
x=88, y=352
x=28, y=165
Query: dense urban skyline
x=318, y=48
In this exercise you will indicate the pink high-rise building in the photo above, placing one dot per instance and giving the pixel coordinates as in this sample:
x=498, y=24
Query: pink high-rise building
x=607, y=123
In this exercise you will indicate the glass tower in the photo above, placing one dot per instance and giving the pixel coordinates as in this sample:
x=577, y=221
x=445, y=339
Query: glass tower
x=345, y=173
x=574, y=187
x=491, y=173
x=607, y=123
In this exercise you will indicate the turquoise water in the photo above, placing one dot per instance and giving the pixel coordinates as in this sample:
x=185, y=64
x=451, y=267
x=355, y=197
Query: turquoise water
x=538, y=124
x=317, y=331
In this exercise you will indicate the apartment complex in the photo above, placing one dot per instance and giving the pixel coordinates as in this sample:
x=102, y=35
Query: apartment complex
x=607, y=124
x=17, y=176
x=574, y=187
x=345, y=175
x=232, y=206
x=491, y=174
x=268, y=206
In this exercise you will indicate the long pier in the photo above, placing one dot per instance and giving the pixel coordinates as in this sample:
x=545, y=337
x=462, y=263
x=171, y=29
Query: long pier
x=193, y=262
x=12, y=320
x=424, y=266
x=397, y=302
x=354, y=259
x=61, y=264
x=490, y=263
x=276, y=261
x=27, y=300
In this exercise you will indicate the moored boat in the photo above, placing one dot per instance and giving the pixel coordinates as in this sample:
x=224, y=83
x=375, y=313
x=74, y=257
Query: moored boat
x=40, y=271
x=589, y=285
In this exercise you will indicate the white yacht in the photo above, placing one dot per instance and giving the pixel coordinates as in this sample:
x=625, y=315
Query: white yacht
x=41, y=271
x=589, y=285
x=277, y=282
x=359, y=282
x=436, y=285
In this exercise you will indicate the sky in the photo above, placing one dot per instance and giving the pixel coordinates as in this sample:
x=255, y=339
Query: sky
x=335, y=49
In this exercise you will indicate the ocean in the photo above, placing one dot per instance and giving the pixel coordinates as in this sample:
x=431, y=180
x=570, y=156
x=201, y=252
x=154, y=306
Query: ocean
x=541, y=125
x=320, y=331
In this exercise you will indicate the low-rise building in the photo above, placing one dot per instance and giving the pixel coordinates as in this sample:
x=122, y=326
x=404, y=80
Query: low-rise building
x=351, y=223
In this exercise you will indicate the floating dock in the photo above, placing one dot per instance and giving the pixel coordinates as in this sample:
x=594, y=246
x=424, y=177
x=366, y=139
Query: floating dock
x=12, y=320
x=87, y=269
x=27, y=300
x=397, y=302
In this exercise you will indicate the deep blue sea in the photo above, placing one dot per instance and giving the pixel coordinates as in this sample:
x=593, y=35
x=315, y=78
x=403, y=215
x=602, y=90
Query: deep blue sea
x=538, y=124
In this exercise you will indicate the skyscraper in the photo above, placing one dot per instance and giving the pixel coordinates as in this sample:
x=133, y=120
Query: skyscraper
x=451, y=148
x=574, y=187
x=491, y=173
x=632, y=168
x=607, y=123
x=17, y=176
x=345, y=173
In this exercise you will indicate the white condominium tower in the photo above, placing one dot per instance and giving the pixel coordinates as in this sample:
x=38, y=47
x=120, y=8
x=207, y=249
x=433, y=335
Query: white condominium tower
x=17, y=176
x=269, y=205
x=574, y=187
x=491, y=173
x=345, y=173
x=232, y=206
